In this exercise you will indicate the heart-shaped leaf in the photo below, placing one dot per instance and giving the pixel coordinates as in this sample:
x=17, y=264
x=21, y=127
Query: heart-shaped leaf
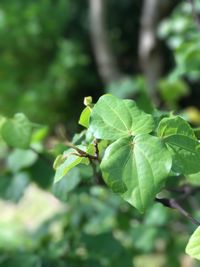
x=113, y=118
x=136, y=168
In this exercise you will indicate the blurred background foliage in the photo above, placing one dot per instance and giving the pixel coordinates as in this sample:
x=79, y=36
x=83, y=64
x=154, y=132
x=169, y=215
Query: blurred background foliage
x=48, y=64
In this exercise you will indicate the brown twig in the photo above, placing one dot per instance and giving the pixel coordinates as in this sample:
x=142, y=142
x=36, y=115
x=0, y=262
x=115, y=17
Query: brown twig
x=80, y=152
x=97, y=175
x=173, y=204
x=184, y=191
x=96, y=149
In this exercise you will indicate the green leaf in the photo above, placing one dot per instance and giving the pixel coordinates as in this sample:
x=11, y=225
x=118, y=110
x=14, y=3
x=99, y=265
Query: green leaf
x=102, y=145
x=136, y=168
x=157, y=215
x=193, y=246
x=145, y=238
x=186, y=154
x=85, y=117
x=69, y=182
x=172, y=90
x=78, y=138
x=70, y=161
x=2, y=121
x=20, y=159
x=182, y=144
x=58, y=161
x=40, y=134
x=194, y=179
x=113, y=118
x=17, y=132
x=12, y=188
x=175, y=126
x=22, y=259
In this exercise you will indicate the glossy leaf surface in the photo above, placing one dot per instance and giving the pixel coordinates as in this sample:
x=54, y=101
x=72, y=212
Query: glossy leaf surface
x=85, y=117
x=136, y=168
x=113, y=118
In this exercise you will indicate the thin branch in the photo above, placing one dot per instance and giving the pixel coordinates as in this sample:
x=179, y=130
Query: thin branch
x=195, y=14
x=80, y=152
x=97, y=175
x=173, y=204
x=184, y=191
x=96, y=149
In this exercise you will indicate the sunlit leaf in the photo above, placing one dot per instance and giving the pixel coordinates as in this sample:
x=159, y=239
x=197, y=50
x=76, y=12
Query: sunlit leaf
x=173, y=126
x=194, y=179
x=193, y=246
x=85, y=117
x=70, y=159
x=113, y=118
x=136, y=168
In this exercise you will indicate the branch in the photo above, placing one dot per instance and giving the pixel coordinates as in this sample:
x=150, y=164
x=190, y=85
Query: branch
x=184, y=191
x=97, y=175
x=151, y=59
x=105, y=58
x=80, y=152
x=195, y=14
x=96, y=149
x=173, y=204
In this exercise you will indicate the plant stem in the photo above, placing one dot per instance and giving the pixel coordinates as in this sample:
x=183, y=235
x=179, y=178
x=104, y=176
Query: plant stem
x=184, y=191
x=96, y=149
x=173, y=204
x=80, y=152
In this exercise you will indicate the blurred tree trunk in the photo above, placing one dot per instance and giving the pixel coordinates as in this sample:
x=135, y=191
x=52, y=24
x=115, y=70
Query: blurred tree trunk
x=150, y=54
x=106, y=61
